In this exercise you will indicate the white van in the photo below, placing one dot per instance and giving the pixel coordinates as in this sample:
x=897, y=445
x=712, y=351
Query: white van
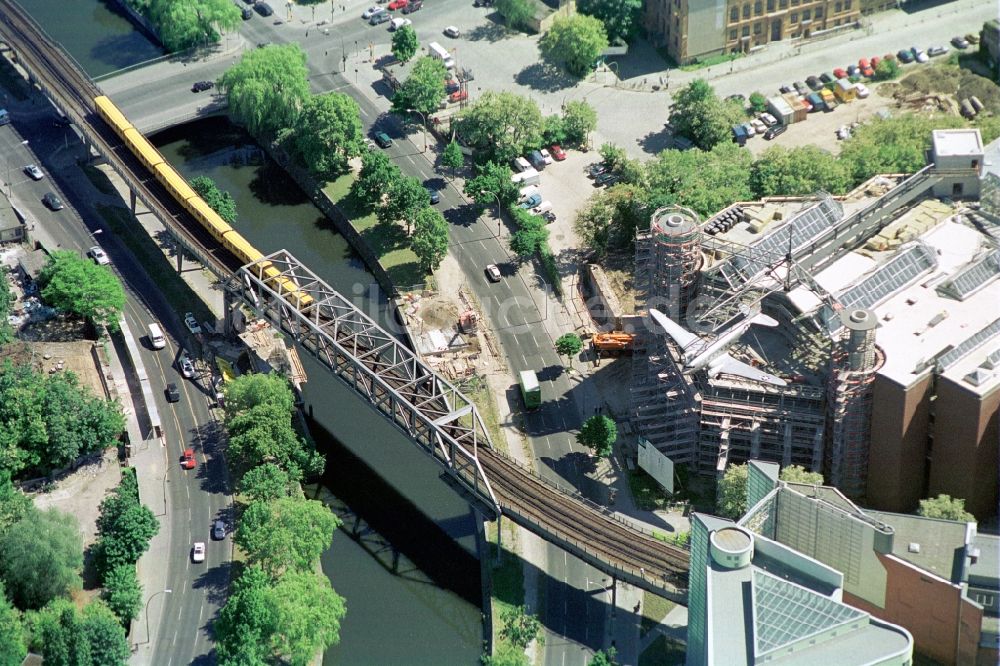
x=521, y=164
x=441, y=54
x=543, y=207
x=156, y=339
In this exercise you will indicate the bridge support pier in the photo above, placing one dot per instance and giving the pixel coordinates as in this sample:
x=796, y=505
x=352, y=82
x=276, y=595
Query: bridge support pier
x=180, y=257
x=132, y=200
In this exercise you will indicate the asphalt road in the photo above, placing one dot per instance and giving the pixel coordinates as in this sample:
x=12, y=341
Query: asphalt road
x=195, y=498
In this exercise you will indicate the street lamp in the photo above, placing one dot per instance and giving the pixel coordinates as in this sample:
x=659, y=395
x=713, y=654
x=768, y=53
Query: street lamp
x=167, y=591
x=423, y=119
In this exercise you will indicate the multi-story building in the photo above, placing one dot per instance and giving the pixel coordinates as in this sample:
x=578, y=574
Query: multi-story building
x=932, y=577
x=881, y=344
x=696, y=29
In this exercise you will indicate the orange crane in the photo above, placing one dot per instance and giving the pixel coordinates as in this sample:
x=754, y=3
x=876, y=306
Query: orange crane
x=615, y=341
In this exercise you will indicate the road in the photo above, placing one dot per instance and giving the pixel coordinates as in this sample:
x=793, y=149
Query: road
x=194, y=498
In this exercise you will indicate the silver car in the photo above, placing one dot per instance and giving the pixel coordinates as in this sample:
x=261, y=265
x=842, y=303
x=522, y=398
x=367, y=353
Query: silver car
x=34, y=172
x=98, y=254
x=186, y=366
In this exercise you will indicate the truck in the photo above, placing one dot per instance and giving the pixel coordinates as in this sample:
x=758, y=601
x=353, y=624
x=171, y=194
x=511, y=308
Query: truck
x=613, y=342
x=437, y=51
x=531, y=390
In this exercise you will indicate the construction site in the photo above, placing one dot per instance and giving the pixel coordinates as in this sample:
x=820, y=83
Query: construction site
x=856, y=336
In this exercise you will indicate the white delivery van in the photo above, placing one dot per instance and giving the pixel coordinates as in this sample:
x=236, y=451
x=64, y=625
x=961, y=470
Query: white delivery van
x=521, y=164
x=156, y=339
x=526, y=177
x=442, y=54
x=543, y=207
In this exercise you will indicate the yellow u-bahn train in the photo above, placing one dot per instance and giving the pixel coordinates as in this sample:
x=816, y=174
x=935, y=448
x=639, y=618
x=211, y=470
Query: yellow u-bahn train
x=230, y=239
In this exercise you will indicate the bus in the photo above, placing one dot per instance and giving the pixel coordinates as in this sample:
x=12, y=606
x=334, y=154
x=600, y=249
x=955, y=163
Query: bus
x=531, y=390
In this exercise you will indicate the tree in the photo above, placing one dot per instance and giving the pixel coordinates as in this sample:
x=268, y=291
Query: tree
x=328, y=133
x=519, y=627
x=611, y=218
x=219, y=201
x=886, y=70
x=576, y=41
x=267, y=89
x=286, y=533
x=6, y=300
x=264, y=433
x=12, y=648
x=58, y=637
x=81, y=287
x=122, y=592
x=492, y=182
x=404, y=43
x=731, y=494
x=579, y=120
x=265, y=482
x=619, y=17
x=128, y=540
x=516, y=13
x=698, y=114
x=945, y=507
x=502, y=124
x=799, y=474
x=553, y=130
x=377, y=173
x=530, y=237
x=423, y=89
x=505, y=654
x=802, y=170
x=569, y=345
x=705, y=181
x=613, y=156
x=14, y=504
x=407, y=197
x=40, y=558
x=182, y=25
x=250, y=390
x=307, y=615
x=430, y=238
x=452, y=157
x=247, y=621
x=894, y=145
x=104, y=635
x=758, y=103
x=598, y=433
x=602, y=658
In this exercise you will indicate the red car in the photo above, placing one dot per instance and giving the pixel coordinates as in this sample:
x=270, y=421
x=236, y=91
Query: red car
x=875, y=61
x=840, y=73
x=866, y=68
x=558, y=154
x=458, y=96
x=397, y=4
x=187, y=460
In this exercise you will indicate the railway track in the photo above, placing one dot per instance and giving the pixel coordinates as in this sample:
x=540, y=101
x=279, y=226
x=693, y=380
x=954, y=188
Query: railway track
x=559, y=517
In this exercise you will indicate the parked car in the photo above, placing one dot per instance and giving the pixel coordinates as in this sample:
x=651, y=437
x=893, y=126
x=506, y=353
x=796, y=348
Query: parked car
x=549, y=217
x=749, y=129
x=919, y=55
x=875, y=61
x=801, y=88
x=397, y=4
x=451, y=31
x=768, y=119
x=218, y=530
x=263, y=9
x=34, y=172
x=605, y=179
x=192, y=323
x=397, y=23
x=415, y=5
x=814, y=83
x=198, y=552
x=546, y=156
x=861, y=90
x=379, y=18
x=246, y=13
x=201, y=86
x=905, y=55
x=960, y=42
x=458, y=96
x=853, y=70
x=827, y=77
x=775, y=131
x=787, y=88
x=186, y=366
x=866, y=68
x=493, y=273
x=840, y=73
x=531, y=201
x=52, y=201
x=937, y=51
x=188, y=460
x=451, y=85
x=98, y=254
x=434, y=195
x=558, y=154
x=173, y=393
x=596, y=170
x=758, y=125
x=371, y=11
x=383, y=140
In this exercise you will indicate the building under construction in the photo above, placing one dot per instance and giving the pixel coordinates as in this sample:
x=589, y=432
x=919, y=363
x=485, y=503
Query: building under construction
x=831, y=333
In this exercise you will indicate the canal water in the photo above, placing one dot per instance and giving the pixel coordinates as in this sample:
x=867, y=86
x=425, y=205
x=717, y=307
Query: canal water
x=407, y=573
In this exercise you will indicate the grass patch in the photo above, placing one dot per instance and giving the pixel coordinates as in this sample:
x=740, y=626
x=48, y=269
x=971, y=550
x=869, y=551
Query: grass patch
x=663, y=652
x=508, y=576
x=478, y=391
x=654, y=609
x=98, y=179
x=709, y=61
x=390, y=244
x=646, y=492
x=149, y=255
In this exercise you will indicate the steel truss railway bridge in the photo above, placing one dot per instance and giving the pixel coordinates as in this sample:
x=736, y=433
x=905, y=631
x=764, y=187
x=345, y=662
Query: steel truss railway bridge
x=395, y=382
